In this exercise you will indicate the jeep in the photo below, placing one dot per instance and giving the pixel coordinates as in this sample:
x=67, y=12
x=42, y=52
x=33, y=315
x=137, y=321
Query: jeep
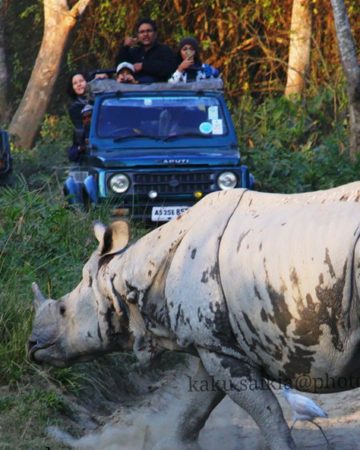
x=156, y=149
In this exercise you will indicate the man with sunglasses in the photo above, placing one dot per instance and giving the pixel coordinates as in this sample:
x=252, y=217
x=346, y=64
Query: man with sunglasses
x=152, y=61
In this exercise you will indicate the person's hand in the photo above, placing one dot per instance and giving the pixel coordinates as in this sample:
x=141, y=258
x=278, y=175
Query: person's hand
x=130, y=79
x=138, y=67
x=82, y=148
x=185, y=64
x=130, y=41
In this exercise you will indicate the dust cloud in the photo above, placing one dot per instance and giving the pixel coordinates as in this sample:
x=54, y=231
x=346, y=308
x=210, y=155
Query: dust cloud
x=150, y=423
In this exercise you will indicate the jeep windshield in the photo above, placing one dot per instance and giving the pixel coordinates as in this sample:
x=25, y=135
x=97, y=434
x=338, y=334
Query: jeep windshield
x=161, y=117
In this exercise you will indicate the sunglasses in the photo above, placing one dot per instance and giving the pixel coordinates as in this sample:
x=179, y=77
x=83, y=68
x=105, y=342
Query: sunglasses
x=145, y=31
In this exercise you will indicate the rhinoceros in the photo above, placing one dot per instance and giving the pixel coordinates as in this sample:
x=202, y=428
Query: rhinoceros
x=261, y=287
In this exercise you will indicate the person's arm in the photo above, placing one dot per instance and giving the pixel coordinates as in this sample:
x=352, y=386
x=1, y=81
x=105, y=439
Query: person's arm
x=177, y=77
x=124, y=53
x=75, y=113
x=78, y=147
x=74, y=153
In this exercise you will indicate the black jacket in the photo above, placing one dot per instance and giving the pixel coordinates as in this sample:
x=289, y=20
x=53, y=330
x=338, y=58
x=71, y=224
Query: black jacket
x=158, y=62
x=75, y=111
x=80, y=142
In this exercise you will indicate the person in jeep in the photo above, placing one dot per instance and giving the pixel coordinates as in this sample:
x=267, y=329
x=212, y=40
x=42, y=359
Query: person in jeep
x=125, y=73
x=190, y=68
x=152, y=60
x=81, y=136
x=76, y=90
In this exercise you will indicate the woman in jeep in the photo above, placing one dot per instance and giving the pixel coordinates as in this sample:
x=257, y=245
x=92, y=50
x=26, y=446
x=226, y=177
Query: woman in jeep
x=189, y=66
x=76, y=90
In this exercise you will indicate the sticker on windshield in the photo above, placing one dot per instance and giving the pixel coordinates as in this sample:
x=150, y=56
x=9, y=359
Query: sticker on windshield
x=147, y=101
x=217, y=126
x=213, y=113
x=205, y=127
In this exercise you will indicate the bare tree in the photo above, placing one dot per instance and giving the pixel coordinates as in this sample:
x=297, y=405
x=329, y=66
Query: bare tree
x=300, y=47
x=351, y=69
x=59, y=20
x=3, y=68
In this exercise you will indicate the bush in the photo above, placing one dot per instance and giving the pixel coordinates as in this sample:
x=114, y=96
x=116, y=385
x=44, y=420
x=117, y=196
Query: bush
x=297, y=145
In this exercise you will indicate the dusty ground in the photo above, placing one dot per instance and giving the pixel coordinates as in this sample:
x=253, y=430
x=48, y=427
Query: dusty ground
x=230, y=425
x=139, y=425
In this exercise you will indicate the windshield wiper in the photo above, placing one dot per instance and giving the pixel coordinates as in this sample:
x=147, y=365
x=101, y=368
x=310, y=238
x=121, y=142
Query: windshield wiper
x=135, y=135
x=189, y=134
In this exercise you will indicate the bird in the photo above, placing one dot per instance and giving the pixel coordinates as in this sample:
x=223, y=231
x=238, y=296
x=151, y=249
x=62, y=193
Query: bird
x=303, y=408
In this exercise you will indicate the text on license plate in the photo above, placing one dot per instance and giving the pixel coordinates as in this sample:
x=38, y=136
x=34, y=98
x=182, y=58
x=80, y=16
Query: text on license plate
x=166, y=213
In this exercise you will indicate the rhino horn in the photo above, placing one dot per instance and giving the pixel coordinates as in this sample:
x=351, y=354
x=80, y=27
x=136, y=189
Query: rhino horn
x=39, y=297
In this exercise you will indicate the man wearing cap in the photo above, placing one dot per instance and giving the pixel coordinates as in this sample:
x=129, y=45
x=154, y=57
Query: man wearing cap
x=152, y=61
x=125, y=73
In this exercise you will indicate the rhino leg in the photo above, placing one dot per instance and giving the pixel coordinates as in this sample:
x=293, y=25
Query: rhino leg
x=193, y=409
x=246, y=387
x=197, y=405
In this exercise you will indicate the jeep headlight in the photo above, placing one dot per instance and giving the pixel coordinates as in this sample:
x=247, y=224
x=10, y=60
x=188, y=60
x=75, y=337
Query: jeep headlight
x=119, y=183
x=227, y=180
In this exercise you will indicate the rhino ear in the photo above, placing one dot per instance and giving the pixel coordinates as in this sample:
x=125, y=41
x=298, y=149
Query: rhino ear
x=99, y=231
x=116, y=237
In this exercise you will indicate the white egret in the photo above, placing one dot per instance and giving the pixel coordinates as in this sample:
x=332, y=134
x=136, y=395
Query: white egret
x=303, y=408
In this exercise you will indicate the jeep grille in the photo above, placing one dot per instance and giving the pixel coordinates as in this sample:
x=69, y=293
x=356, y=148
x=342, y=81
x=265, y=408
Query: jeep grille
x=180, y=183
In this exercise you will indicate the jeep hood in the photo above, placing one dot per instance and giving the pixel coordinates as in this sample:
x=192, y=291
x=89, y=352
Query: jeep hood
x=192, y=156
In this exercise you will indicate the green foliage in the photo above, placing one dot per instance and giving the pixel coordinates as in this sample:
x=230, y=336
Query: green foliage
x=33, y=11
x=296, y=145
x=23, y=31
x=40, y=239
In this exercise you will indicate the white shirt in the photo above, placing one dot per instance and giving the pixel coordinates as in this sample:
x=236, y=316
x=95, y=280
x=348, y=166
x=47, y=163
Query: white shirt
x=181, y=77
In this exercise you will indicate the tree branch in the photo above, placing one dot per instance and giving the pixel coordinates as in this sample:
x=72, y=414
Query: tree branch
x=79, y=7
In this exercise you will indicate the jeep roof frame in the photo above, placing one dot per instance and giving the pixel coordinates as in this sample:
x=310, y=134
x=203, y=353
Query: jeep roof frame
x=102, y=86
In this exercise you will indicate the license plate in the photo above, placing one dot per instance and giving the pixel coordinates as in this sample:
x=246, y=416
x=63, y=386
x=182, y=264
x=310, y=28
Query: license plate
x=162, y=213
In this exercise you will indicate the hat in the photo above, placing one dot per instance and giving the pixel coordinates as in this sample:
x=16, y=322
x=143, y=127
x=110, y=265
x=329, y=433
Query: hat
x=86, y=108
x=189, y=41
x=125, y=65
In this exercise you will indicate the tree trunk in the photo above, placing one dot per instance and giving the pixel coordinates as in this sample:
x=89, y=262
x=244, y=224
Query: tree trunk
x=351, y=69
x=3, y=72
x=299, y=48
x=59, y=20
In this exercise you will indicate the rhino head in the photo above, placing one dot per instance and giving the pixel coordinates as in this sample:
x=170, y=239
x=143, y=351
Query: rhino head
x=83, y=324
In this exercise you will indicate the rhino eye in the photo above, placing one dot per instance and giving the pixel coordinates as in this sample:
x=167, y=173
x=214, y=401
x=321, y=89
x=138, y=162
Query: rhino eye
x=62, y=310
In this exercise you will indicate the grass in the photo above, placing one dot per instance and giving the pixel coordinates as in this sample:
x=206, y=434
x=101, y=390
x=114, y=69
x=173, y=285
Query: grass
x=43, y=240
x=25, y=412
